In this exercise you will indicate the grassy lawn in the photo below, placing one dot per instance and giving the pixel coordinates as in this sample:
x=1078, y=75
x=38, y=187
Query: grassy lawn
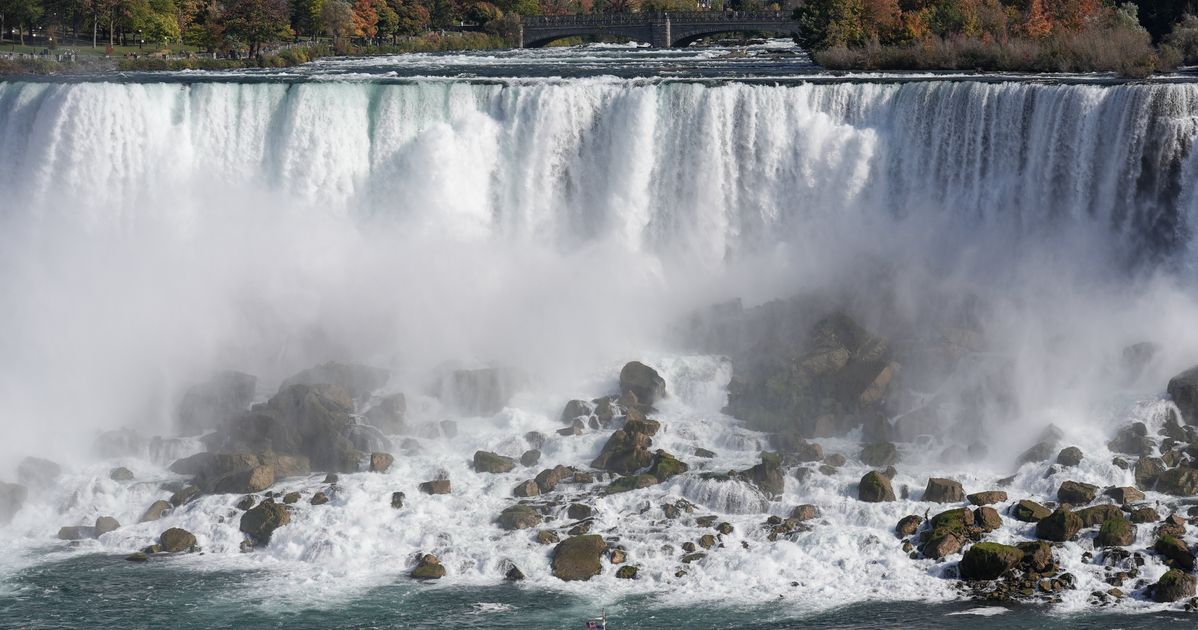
x=83, y=47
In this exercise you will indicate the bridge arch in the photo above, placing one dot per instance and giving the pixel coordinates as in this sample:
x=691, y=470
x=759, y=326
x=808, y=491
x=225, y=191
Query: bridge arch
x=539, y=38
x=682, y=40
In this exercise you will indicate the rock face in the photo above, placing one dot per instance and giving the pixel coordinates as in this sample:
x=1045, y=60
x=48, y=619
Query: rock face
x=643, y=382
x=578, y=557
x=943, y=491
x=832, y=382
x=481, y=392
x=261, y=522
x=429, y=568
x=175, y=540
x=625, y=452
x=359, y=381
x=1147, y=471
x=518, y=517
x=1059, y=526
x=255, y=479
x=35, y=472
x=1183, y=389
x=12, y=498
x=206, y=405
x=488, y=462
x=380, y=462
x=390, y=414
x=1075, y=493
x=1172, y=586
x=1181, y=481
x=875, y=488
x=988, y=561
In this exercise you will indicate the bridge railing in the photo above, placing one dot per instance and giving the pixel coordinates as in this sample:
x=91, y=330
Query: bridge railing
x=610, y=19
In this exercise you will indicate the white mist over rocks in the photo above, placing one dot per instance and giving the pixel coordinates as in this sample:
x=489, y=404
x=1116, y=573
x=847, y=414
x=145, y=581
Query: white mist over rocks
x=151, y=233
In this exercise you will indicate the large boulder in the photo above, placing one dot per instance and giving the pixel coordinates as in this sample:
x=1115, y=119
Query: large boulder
x=625, y=452
x=1060, y=526
x=390, y=414
x=578, y=557
x=1099, y=514
x=518, y=517
x=105, y=524
x=380, y=462
x=488, y=462
x=666, y=465
x=767, y=475
x=879, y=454
x=356, y=379
x=875, y=488
x=548, y=479
x=1181, y=481
x=1147, y=471
x=1183, y=389
x=1070, y=456
x=1076, y=493
x=310, y=420
x=792, y=446
x=175, y=540
x=1176, y=550
x=249, y=481
x=630, y=482
x=206, y=405
x=260, y=522
x=12, y=498
x=1029, y=511
x=35, y=472
x=1132, y=439
x=429, y=568
x=157, y=510
x=1115, y=532
x=481, y=392
x=436, y=486
x=1172, y=586
x=989, y=497
x=943, y=491
x=643, y=382
x=988, y=561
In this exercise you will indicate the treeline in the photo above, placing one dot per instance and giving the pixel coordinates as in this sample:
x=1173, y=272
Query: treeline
x=1002, y=35
x=245, y=26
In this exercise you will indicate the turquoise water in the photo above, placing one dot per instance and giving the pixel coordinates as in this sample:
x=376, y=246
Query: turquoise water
x=104, y=591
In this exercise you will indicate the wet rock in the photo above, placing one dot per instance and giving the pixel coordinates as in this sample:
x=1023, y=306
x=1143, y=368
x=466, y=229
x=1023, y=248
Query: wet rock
x=1143, y=515
x=1116, y=532
x=548, y=479
x=989, y=497
x=106, y=524
x=666, y=465
x=1099, y=514
x=579, y=557
x=579, y=511
x=643, y=382
x=693, y=557
x=988, y=561
x=157, y=510
x=707, y=541
x=487, y=462
x=1060, y=526
x=206, y=405
x=1183, y=389
x=184, y=495
x=1037, y=556
x=875, y=488
x=580, y=529
x=253, y=480
x=428, y=568
x=1133, y=440
x=1075, y=493
x=767, y=475
x=908, y=525
x=1147, y=470
x=514, y=574
x=795, y=448
x=530, y=458
x=941, y=543
x=314, y=421
x=943, y=491
x=480, y=392
x=12, y=499
x=35, y=472
x=137, y=556
x=1181, y=482
x=121, y=474
x=261, y=522
x=518, y=517
x=397, y=499
x=319, y=498
x=358, y=380
x=879, y=454
x=526, y=489
x=381, y=462
x=1070, y=456
x=547, y=537
x=1040, y=452
x=625, y=453
x=724, y=528
x=436, y=486
x=1125, y=495
x=576, y=409
x=76, y=532
x=1172, y=586
x=367, y=439
x=805, y=512
x=291, y=498
x=1176, y=551
x=703, y=453
x=390, y=414
x=629, y=483
x=627, y=572
x=987, y=518
x=175, y=540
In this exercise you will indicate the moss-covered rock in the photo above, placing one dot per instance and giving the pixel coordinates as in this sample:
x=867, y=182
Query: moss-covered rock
x=1037, y=555
x=875, y=488
x=262, y=521
x=1181, y=481
x=989, y=497
x=1076, y=493
x=987, y=518
x=956, y=520
x=1099, y=514
x=988, y=561
x=1029, y=511
x=1059, y=526
x=625, y=452
x=767, y=475
x=176, y=539
x=518, y=517
x=579, y=557
x=429, y=568
x=1172, y=586
x=627, y=572
x=1176, y=551
x=908, y=525
x=666, y=465
x=488, y=462
x=629, y=483
x=1116, y=532
x=943, y=491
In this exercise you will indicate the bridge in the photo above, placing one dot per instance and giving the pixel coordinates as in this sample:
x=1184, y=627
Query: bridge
x=661, y=30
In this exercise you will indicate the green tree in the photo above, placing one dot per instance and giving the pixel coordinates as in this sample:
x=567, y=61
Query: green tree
x=338, y=18
x=827, y=23
x=257, y=22
x=412, y=18
x=305, y=17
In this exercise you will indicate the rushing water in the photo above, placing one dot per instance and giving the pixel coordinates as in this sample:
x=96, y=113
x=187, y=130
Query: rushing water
x=559, y=211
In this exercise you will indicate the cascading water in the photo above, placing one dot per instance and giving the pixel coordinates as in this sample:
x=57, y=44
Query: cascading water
x=153, y=231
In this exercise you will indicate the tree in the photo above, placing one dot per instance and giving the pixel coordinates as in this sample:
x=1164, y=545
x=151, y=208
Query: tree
x=412, y=18
x=365, y=19
x=305, y=17
x=827, y=23
x=1036, y=24
x=257, y=22
x=338, y=18
x=23, y=13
